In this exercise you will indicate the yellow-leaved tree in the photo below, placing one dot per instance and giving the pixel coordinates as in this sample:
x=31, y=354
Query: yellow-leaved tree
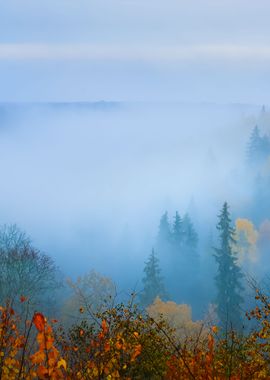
x=90, y=294
x=178, y=317
x=246, y=238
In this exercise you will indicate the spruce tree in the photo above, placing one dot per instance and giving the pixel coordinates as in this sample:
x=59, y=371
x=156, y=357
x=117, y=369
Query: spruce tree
x=258, y=147
x=229, y=276
x=164, y=245
x=152, y=282
x=177, y=230
x=189, y=268
x=254, y=145
x=190, y=234
x=164, y=232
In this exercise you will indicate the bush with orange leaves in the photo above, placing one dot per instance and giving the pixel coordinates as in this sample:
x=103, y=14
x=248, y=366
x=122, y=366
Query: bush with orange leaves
x=30, y=354
x=229, y=355
x=126, y=345
x=129, y=345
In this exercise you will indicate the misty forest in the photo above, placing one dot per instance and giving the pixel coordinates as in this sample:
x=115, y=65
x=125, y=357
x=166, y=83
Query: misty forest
x=134, y=192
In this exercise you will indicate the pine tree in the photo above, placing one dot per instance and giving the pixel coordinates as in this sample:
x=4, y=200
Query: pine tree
x=177, y=230
x=188, y=267
x=164, y=232
x=254, y=146
x=258, y=147
x=190, y=235
x=152, y=282
x=229, y=276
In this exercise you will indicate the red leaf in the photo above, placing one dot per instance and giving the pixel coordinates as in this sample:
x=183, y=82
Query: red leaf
x=39, y=321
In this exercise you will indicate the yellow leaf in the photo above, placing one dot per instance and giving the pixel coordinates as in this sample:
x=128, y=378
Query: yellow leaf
x=62, y=363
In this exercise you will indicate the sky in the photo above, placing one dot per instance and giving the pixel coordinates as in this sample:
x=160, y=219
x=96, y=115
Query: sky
x=79, y=179
x=135, y=50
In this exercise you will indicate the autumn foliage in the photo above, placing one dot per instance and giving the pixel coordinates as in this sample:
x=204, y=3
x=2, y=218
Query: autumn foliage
x=130, y=345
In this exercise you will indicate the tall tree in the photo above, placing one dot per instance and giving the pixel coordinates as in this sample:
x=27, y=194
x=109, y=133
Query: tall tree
x=152, y=282
x=229, y=276
x=164, y=246
x=258, y=147
x=25, y=271
x=164, y=232
x=177, y=230
x=254, y=144
x=190, y=234
x=188, y=268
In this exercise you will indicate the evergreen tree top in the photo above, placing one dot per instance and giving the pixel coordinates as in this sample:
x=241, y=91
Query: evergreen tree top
x=227, y=232
x=152, y=267
x=164, y=225
x=191, y=236
x=177, y=230
x=229, y=275
x=164, y=231
x=258, y=146
x=177, y=219
x=152, y=281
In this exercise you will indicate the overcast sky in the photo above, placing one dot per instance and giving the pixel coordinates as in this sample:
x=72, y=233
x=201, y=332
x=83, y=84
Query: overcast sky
x=190, y=50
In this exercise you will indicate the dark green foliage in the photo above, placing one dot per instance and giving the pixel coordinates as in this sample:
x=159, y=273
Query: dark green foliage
x=229, y=276
x=152, y=281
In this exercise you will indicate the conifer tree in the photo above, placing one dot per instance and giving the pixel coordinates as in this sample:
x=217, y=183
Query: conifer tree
x=254, y=144
x=229, y=276
x=152, y=282
x=177, y=230
x=190, y=235
x=258, y=147
x=164, y=232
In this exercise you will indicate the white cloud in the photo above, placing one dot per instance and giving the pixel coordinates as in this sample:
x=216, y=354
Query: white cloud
x=207, y=52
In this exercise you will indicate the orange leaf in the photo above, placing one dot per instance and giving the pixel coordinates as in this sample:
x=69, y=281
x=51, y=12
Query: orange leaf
x=38, y=357
x=104, y=326
x=107, y=347
x=210, y=342
x=137, y=352
x=42, y=372
x=39, y=321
